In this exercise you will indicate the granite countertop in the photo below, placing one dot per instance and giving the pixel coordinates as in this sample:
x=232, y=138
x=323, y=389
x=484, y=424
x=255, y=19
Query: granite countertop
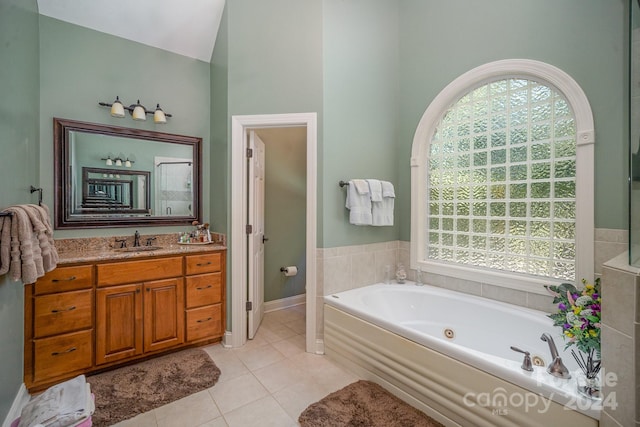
x=97, y=249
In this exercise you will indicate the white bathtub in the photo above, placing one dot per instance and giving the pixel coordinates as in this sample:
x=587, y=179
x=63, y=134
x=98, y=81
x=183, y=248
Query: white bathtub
x=409, y=351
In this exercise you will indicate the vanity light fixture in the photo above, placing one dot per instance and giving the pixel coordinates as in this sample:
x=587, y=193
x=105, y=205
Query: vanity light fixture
x=118, y=161
x=138, y=111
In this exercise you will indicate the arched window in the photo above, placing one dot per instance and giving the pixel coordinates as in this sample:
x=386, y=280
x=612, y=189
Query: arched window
x=502, y=178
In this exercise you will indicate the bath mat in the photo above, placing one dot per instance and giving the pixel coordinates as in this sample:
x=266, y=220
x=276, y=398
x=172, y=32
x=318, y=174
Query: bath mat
x=363, y=404
x=131, y=390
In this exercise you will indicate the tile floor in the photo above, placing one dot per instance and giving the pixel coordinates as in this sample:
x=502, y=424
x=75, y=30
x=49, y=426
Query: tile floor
x=267, y=382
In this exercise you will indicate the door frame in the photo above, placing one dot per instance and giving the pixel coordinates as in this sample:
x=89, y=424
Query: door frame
x=239, y=206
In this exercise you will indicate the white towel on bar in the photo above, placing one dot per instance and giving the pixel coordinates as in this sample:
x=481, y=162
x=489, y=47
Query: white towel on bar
x=375, y=187
x=382, y=212
x=359, y=202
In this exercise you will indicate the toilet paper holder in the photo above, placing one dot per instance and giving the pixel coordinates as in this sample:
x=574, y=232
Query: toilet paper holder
x=291, y=270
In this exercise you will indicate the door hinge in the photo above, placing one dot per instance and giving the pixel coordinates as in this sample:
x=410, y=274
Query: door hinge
x=249, y=229
x=249, y=153
x=249, y=306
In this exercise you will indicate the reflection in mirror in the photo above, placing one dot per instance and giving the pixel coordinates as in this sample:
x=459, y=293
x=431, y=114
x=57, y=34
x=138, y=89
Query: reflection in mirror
x=104, y=191
x=108, y=176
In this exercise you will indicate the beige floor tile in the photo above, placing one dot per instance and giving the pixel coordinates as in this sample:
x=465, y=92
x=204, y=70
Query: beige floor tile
x=276, y=332
x=189, y=411
x=250, y=345
x=230, y=366
x=148, y=419
x=295, y=398
x=260, y=357
x=298, y=326
x=237, y=392
x=216, y=349
x=291, y=346
x=265, y=412
x=279, y=375
x=218, y=422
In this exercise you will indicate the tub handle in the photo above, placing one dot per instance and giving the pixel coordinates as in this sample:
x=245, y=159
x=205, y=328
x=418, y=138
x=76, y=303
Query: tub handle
x=526, y=363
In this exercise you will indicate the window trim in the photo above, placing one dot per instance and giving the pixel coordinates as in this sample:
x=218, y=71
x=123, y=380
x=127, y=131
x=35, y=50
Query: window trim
x=585, y=140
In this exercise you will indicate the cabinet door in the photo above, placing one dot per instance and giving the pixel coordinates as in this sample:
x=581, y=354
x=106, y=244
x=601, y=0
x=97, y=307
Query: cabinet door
x=163, y=314
x=118, y=323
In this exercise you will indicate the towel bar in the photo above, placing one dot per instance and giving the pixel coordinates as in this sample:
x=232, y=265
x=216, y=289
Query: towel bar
x=5, y=214
x=343, y=183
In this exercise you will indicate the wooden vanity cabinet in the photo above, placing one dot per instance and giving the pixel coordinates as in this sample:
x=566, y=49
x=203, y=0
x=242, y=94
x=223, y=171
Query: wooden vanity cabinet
x=59, y=325
x=205, y=294
x=140, y=317
x=83, y=318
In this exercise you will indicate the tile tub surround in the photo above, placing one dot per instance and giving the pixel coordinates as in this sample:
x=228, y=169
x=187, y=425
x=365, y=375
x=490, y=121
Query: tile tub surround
x=621, y=340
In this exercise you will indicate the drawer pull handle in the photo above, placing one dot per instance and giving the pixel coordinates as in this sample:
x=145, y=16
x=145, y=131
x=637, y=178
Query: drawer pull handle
x=204, y=320
x=68, y=279
x=73, y=307
x=202, y=264
x=204, y=287
x=58, y=353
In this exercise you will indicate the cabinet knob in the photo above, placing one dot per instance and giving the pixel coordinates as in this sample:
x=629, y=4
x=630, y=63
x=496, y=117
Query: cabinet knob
x=138, y=291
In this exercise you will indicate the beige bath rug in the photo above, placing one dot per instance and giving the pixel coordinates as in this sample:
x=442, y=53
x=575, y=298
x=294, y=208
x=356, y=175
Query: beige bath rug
x=363, y=404
x=131, y=390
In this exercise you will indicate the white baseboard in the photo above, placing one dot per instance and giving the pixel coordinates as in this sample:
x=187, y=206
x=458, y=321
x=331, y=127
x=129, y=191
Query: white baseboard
x=227, y=339
x=21, y=399
x=280, y=304
x=319, y=346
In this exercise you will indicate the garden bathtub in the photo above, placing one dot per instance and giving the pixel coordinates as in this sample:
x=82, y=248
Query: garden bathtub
x=449, y=354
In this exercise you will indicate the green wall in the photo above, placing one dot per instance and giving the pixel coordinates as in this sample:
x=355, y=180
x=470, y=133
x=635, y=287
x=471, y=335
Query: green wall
x=79, y=67
x=441, y=40
x=19, y=139
x=360, y=110
x=285, y=210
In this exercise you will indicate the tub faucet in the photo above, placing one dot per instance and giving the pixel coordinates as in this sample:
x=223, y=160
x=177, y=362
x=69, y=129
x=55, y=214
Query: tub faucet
x=136, y=239
x=556, y=367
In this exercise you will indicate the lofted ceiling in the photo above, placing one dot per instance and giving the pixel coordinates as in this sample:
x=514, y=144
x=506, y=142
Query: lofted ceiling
x=186, y=28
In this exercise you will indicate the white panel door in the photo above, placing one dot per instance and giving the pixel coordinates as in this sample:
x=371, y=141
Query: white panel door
x=256, y=237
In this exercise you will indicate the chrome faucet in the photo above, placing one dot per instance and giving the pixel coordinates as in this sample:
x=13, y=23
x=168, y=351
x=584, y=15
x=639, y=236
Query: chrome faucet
x=136, y=239
x=556, y=367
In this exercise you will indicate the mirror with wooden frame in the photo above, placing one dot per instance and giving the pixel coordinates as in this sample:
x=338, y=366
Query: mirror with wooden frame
x=109, y=176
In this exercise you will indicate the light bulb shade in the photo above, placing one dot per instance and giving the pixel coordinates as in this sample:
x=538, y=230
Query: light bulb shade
x=118, y=162
x=139, y=113
x=127, y=163
x=159, y=116
x=109, y=162
x=117, y=109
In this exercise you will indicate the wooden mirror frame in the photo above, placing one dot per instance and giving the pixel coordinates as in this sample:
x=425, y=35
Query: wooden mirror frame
x=63, y=217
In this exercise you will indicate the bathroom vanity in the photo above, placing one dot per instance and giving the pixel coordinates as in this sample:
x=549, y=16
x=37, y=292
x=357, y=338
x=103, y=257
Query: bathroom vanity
x=114, y=308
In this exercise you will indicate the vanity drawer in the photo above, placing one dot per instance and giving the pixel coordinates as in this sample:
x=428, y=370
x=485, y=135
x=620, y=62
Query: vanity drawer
x=65, y=279
x=204, y=289
x=205, y=263
x=61, y=355
x=63, y=312
x=118, y=273
x=204, y=322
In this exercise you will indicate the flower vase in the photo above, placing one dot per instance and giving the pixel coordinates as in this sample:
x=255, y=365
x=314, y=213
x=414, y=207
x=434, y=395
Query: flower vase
x=588, y=383
x=589, y=387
